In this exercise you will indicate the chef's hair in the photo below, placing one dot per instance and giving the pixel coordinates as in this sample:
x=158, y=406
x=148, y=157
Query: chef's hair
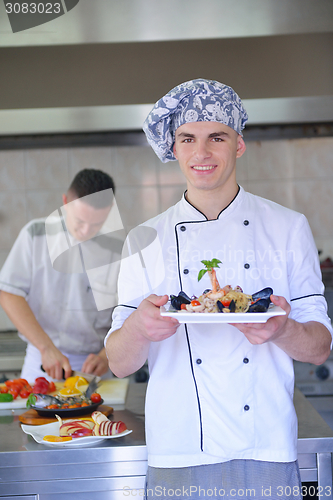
x=90, y=181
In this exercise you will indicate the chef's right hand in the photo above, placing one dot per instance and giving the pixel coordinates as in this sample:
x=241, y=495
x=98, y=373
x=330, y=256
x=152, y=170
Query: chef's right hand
x=149, y=322
x=54, y=362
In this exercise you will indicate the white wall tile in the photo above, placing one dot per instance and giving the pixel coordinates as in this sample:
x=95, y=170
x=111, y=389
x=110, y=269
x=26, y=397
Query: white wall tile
x=137, y=204
x=268, y=160
x=12, y=170
x=242, y=169
x=99, y=158
x=46, y=168
x=12, y=217
x=312, y=158
x=41, y=203
x=134, y=166
x=169, y=173
x=314, y=198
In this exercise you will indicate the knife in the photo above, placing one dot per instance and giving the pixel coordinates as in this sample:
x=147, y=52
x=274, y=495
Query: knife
x=75, y=373
x=93, y=384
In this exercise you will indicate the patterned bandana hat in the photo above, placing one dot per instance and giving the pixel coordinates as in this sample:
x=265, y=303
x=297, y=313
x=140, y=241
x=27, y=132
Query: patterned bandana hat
x=193, y=101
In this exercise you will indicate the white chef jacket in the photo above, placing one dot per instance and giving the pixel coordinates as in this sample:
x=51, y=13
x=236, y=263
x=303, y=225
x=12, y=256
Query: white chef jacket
x=212, y=396
x=61, y=297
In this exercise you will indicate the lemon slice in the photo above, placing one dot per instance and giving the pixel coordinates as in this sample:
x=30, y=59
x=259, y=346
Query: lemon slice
x=69, y=392
x=75, y=381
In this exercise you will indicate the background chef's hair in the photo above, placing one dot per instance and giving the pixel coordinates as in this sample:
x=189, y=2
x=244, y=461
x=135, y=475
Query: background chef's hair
x=91, y=181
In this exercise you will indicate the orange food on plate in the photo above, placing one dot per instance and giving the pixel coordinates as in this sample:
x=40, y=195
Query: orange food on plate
x=57, y=439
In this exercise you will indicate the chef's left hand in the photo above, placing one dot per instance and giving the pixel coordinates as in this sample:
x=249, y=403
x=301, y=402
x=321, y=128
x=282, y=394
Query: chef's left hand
x=95, y=365
x=259, y=333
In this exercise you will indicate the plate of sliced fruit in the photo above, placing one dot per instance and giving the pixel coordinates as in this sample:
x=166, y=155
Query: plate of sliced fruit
x=77, y=432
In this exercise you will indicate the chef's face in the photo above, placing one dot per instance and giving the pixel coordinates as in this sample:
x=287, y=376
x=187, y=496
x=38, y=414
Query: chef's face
x=82, y=220
x=207, y=153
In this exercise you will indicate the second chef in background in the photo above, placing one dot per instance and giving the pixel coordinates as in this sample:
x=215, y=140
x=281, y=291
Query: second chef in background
x=47, y=285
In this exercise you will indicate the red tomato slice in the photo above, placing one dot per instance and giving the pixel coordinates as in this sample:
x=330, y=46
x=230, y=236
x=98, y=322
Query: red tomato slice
x=225, y=302
x=52, y=387
x=195, y=303
x=24, y=393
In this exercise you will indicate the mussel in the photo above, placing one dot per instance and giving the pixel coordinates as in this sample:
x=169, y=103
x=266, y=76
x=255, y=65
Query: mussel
x=220, y=306
x=42, y=400
x=232, y=306
x=178, y=300
x=265, y=293
x=260, y=306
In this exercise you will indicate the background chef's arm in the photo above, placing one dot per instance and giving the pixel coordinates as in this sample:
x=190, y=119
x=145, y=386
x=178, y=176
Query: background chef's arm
x=96, y=364
x=127, y=348
x=308, y=342
x=21, y=315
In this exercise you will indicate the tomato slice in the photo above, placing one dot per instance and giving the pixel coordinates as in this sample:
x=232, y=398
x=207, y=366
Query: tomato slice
x=14, y=392
x=225, y=302
x=24, y=393
x=195, y=303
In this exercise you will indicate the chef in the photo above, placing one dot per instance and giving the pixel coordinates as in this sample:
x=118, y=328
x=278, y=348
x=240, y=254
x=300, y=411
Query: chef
x=53, y=279
x=220, y=419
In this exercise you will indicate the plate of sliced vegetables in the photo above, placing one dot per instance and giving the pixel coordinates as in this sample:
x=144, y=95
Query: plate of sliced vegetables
x=39, y=432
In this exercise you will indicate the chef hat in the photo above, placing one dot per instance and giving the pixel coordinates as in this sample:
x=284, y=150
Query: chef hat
x=193, y=101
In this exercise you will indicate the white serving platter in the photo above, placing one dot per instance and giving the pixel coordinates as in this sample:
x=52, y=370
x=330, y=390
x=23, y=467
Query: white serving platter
x=39, y=431
x=195, y=317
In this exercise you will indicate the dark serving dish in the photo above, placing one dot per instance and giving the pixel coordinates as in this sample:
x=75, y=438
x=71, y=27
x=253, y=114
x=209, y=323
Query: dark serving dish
x=67, y=412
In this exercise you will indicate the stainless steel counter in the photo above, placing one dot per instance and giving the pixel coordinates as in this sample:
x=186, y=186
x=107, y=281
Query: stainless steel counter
x=116, y=468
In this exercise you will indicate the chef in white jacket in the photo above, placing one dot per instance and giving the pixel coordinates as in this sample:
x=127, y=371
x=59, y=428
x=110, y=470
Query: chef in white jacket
x=220, y=419
x=58, y=284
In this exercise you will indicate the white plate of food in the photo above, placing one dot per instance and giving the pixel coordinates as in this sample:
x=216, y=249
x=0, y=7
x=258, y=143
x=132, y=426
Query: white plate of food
x=215, y=317
x=38, y=432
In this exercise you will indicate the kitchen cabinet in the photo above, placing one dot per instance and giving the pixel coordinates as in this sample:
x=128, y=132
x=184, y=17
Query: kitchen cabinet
x=116, y=468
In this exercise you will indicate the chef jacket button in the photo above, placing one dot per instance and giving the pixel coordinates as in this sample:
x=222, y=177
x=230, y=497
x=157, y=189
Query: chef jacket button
x=246, y=266
x=246, y=407
x=246, y=223
x=199, y=361
x=186, y=271
x=182, y=228
x=245, y=360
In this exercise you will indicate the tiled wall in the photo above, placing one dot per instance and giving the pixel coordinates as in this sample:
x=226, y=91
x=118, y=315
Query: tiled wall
x=296, y=173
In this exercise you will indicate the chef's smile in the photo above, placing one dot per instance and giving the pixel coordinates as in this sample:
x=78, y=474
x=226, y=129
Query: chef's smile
x=203, y=168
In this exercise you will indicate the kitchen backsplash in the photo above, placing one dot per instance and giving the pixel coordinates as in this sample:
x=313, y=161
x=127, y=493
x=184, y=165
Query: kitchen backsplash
x=296, y=173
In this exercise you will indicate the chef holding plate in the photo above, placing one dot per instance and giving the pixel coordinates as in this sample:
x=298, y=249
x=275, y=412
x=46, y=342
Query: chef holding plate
x=220, y=417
